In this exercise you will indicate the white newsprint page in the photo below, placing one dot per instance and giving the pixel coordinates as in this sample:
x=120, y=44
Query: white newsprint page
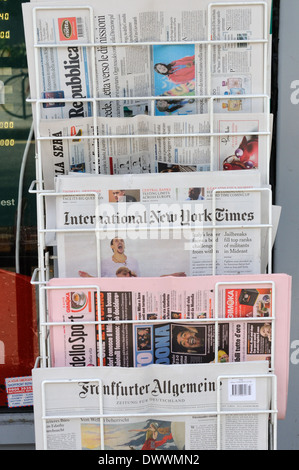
x=189, y=66
x=154, y=144
x=153, y=408
x=163, y=224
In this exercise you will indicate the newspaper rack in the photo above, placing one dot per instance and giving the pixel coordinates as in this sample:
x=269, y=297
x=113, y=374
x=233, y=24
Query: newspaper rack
x=45, y=363
x=219, y=413
x=43, y=273
x=210, y=97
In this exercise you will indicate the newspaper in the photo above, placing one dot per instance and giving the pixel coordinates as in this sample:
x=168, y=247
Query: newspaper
x=168, y=224
x=190, y=66
x=153, y=408
x=172, y=320
x=152, y=144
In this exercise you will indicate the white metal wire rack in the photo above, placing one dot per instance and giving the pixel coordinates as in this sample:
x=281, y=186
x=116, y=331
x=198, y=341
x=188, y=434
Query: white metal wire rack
x=266, y=225
x=210, y=42
x=46, y=324
x=45, y=362
x=219, y=413
x=42, y=273
x=209, y=97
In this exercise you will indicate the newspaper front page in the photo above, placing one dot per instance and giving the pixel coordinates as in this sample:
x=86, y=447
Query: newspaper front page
x=161, y=224
x=153, y=144
x=153, y=408
x=138, y=322
x=175, y=320
x=190, y=66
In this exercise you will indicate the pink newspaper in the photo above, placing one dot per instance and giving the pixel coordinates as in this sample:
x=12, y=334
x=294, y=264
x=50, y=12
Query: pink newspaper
x=135, y=322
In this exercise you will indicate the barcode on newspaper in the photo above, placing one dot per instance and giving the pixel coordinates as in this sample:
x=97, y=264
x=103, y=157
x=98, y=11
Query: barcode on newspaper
x=80, y=27
x=242, y=389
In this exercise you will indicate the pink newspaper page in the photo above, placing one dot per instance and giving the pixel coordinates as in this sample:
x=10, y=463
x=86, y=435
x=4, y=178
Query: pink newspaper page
x=136, y=322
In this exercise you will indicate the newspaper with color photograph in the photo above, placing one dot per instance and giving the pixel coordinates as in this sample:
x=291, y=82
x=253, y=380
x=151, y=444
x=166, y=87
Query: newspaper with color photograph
x=153, y=408
x=68, y=79
x=162, y=224
x=171, y=320
x=151, y=144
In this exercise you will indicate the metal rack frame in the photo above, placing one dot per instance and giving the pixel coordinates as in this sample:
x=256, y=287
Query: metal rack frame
x=41, y=274
x=219, y=413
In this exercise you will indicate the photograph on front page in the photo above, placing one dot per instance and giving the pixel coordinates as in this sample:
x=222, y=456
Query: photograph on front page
x=174, y=75
x=151, y=434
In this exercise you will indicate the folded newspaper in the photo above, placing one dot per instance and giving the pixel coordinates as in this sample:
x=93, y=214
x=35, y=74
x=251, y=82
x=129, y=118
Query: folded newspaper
x=156, y=408
x=172, y=321
x=67, y=79
x=161, y=224
x=151, y=144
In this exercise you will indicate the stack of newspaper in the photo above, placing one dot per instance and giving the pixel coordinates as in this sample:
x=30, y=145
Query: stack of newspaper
x=171, y=320
x=155, y=144
x=153, y=139
x=193, y=81
x=166, y=223
x=153, y=408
